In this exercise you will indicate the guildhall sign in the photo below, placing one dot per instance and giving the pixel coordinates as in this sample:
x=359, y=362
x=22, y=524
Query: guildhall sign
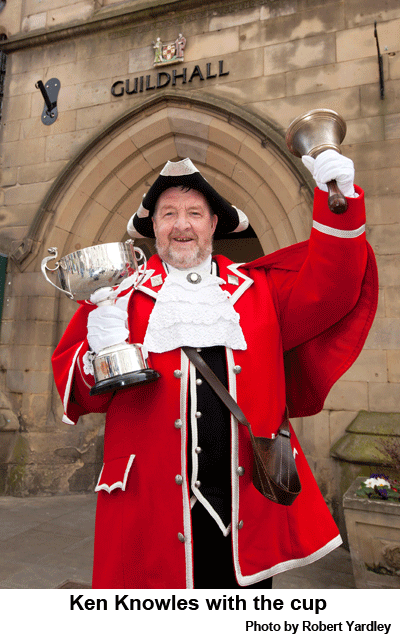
x=170, y=53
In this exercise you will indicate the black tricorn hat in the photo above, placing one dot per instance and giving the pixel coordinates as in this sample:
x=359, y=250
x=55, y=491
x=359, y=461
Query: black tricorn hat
x=184, y=173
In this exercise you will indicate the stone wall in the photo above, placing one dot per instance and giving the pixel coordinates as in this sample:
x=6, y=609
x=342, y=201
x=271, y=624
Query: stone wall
x=76, y=182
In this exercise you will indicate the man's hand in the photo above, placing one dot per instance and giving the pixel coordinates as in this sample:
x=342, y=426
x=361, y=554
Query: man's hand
x=107, y=325
x=330, y=165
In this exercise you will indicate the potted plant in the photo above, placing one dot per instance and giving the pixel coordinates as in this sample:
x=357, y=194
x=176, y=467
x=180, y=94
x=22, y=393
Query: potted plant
x=372, y=514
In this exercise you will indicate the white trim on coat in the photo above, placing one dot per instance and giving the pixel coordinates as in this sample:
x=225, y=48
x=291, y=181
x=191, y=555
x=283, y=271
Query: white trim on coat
x=187, y=520
x=336, y=232
x=234, y=466
x=82, y=374
x=67, y=420
x=67, y=391
x=120, y=484
x=247, y=580
x=246, y=283
x=143, y=288
x=195, y=462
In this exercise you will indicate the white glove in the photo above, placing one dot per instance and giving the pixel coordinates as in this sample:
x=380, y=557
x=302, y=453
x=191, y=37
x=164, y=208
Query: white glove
x=330, y=165
x=106, y=325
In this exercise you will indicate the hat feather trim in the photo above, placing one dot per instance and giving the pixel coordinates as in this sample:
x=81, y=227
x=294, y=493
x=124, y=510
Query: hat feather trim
x=243, y=221
x=179, y=168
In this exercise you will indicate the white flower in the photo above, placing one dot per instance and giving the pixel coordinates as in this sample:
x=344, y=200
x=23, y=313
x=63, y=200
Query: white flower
x=376, y=482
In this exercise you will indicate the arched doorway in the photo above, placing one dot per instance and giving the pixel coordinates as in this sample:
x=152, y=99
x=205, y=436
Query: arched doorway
x=243, y=157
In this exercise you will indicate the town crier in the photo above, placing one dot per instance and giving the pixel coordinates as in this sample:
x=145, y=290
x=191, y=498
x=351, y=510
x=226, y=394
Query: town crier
x=176, y=504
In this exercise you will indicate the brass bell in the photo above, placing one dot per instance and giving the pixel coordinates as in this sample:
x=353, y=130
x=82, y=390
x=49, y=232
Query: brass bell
x=311, y=134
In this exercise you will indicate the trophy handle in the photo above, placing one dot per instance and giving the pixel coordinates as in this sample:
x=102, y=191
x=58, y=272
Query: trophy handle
x=54, y=253
x=141, y=262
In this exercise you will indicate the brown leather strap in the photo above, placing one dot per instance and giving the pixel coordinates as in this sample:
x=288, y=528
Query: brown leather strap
x=216, y=385
x=223, y=393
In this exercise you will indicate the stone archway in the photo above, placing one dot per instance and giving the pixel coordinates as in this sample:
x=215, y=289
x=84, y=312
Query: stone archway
x=244, y=158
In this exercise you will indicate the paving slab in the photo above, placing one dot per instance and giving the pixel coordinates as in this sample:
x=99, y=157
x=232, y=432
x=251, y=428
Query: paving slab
x=334, y=571
x=47, y=542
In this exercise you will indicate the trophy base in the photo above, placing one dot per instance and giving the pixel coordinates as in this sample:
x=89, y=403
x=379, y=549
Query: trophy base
x=141, y=376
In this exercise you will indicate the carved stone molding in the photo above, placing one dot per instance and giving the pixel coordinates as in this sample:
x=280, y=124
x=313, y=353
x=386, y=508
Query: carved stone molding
x=132, y=21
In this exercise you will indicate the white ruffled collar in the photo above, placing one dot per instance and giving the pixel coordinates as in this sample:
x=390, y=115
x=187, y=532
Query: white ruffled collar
x=192, y=309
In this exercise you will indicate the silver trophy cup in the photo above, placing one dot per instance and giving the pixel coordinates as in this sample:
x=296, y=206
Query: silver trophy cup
x=105, y=266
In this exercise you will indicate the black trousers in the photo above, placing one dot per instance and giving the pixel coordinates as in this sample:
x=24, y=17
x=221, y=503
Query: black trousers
x=212, y=554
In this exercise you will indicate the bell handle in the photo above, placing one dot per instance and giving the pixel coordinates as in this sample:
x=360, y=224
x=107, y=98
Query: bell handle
x=337, y=202
x=44, y=267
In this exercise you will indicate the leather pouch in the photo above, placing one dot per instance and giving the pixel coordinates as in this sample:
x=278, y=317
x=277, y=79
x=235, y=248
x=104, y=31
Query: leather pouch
x=274, y=469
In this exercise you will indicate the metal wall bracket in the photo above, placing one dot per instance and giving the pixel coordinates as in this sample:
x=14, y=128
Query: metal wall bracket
x=380, y=64
x=20, y=250
x=50, y=94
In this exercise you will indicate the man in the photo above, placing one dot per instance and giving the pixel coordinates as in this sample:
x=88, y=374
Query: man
x=177, y=507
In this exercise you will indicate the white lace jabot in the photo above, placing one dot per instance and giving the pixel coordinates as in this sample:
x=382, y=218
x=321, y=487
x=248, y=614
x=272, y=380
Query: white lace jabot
x=192, y=309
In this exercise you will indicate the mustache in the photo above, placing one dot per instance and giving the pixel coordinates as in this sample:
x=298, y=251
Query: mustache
x=180, y=235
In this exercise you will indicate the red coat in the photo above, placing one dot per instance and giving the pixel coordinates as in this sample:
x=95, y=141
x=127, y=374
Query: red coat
x=305, y=310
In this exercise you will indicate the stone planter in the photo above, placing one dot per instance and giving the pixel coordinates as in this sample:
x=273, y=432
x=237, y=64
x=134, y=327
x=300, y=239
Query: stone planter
x=358, y=453
x=373, y=528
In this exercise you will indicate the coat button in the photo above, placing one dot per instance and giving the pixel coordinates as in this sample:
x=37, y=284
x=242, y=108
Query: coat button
x=237, y=369
x=240, y=471
x=178, y=423
x=199, y=381
x=198, y=450
x=197, y=484
x=193, y=277
x=181, y=537
x=198, y=414
x=178, y=373
x=240, y=525
x=179, y=479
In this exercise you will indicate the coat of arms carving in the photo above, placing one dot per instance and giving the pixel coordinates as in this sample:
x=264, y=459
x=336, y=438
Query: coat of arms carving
x=169, y=53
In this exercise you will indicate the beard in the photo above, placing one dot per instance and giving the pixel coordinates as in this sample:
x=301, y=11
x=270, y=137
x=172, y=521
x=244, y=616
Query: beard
x=190, y=257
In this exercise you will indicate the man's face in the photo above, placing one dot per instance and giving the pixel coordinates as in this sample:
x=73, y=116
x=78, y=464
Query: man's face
x=184, y=226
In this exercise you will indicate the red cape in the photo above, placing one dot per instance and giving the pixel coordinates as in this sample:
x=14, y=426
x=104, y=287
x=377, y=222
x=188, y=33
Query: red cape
x=313, y=367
